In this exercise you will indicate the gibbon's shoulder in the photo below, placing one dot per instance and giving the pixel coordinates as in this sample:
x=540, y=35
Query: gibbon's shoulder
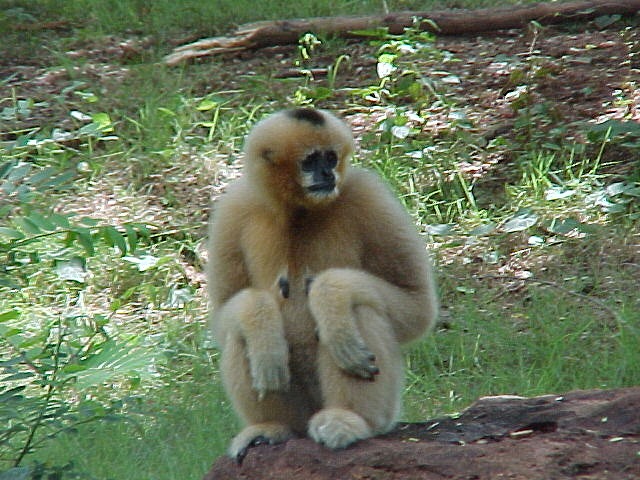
x=364, y=186
x=233, y=208
x=239, y=195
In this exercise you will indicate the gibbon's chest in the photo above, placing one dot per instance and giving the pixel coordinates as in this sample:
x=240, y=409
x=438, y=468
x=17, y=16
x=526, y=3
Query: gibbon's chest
x=299, y=248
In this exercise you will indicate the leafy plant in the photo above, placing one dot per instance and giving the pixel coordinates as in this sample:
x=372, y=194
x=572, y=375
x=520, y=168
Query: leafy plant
x=47, y=374
x=37, y=237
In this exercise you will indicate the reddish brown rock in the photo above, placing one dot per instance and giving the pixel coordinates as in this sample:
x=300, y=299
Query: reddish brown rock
x=583, y=434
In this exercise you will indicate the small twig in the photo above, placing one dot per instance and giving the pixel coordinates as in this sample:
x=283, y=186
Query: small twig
x=614, y=314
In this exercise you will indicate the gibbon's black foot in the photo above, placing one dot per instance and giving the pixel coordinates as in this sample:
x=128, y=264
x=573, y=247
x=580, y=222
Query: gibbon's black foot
x=259, y=440
x=283, y=284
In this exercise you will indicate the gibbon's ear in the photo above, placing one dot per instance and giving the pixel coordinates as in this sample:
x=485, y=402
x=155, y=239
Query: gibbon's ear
x=267, y=154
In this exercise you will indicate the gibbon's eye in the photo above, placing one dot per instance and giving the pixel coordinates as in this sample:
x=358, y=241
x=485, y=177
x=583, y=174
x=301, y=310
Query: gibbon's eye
x=331, y=158
x=318, y=169
x=311, y=161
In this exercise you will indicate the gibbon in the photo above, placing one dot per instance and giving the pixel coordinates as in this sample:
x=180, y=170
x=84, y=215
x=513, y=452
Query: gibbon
x=317, y=276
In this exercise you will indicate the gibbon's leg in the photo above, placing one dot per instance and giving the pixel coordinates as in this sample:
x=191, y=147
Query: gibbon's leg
x=254, y=367
x=355, y=408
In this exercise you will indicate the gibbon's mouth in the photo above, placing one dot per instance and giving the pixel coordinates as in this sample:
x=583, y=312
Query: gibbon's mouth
x=326, y=187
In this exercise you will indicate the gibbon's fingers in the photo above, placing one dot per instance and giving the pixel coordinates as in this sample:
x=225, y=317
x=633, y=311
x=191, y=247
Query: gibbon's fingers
x=352, y=355
x=270, y=371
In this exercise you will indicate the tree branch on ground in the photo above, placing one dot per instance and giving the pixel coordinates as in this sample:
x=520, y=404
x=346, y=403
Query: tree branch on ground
x=280, y=32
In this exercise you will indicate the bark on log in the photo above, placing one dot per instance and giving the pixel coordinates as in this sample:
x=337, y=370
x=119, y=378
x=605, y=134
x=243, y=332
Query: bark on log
x=279, y=32
x=584, y=434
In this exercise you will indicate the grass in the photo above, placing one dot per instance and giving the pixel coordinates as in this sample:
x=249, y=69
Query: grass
x=547, y=342
x=534, y=233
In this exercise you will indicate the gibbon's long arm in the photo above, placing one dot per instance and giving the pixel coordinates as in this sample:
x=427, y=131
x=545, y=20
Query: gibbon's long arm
x=396, y=278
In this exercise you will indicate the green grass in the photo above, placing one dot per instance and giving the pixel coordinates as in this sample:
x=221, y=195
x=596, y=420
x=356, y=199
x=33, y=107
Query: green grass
x=533, y=256
x=552, y=345
x=179, y=434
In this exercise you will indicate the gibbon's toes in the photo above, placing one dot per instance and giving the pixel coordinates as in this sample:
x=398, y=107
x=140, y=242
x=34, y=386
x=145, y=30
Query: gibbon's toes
x=338, y=428
x=355, y=358
x=269, y=373
x=259, y=434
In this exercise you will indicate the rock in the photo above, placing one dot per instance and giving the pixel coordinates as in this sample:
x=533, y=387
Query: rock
x=584, y=434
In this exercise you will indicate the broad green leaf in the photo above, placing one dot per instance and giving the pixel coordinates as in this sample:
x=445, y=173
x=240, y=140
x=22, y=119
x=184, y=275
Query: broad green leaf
x=114, y=359
x=483, y=229
x=564, y=225
x=89, y=222
x=58, y=181
x=9, y=315
x=520, y=221
x=11, y=233
x=143, y=231
x=132, y=237
x=206, y=104
x=19, y=172
x=103, y=121
x=41, y=221
x=59, y=220
x=28, y=225
x=42, y=175
x=84, y=237
x=114, y=237
x=73, y=368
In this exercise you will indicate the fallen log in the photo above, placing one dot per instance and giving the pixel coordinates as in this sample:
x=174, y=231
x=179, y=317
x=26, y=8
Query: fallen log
x=279, y=32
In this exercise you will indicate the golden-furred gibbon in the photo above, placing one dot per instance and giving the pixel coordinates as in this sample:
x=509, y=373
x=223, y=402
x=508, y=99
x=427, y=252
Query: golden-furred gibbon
x=317, y=276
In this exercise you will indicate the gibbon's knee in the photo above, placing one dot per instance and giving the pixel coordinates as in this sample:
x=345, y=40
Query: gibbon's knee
x=344, y=287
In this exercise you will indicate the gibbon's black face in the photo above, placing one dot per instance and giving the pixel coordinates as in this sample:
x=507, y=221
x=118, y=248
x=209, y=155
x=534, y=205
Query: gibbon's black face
x=317, y=170
x=299, y=156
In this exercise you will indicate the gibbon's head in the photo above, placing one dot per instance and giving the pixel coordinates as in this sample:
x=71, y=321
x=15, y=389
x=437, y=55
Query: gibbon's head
x=298, y=157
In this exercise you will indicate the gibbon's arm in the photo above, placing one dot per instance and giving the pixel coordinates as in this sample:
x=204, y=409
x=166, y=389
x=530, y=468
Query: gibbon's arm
x=396, y=278
x=226, y=272
x=241, y=314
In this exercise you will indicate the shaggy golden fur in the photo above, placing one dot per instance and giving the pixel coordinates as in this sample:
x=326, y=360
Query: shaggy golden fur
x=316, y=278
